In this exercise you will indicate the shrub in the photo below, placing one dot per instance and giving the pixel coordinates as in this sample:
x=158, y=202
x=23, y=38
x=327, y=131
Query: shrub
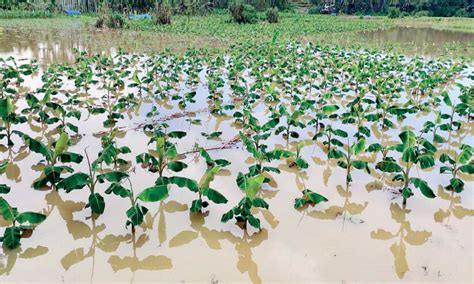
x=393, y=13
x=422, y=13
x=162, y=14
x=463, y=13
x=115, y=20
x=404, y=14
x=272, y=15
x=314, y=10
x=243, y=13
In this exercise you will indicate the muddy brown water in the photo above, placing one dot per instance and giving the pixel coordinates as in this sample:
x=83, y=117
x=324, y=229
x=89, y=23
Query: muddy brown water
x=362, y=233
x=421, y=40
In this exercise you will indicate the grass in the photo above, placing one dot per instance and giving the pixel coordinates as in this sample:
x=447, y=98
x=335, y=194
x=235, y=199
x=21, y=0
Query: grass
x=24, y=14
x=452, y=24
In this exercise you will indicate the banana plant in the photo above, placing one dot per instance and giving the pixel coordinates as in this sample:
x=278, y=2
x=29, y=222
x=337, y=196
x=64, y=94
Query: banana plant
x=460, y=109
x=53, y=155
x=110, y=153
x=434, y=126
x=79, y=180
x=20, y=224
x=347, y=158
x=309, y=198
x=242, y=211
x=455, y=164
x=164, y=156
x=330, y=134
x=136, y=213
x=8, y=119
x=293, y=120
x=296, y=160
x=202, y=188
x=416, y=151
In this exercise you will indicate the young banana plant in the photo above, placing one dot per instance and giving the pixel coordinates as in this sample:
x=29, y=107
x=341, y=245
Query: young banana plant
x=242, y=211
x=416, y=151
x=347, y=158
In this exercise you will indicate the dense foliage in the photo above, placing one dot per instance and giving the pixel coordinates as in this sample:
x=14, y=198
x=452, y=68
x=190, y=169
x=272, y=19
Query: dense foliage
x=439, y=8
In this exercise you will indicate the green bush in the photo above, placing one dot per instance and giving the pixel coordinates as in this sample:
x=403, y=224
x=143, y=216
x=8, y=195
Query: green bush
x=422, y=13
x=393, y=13
x=314, y=10
x=243, y=13
x=404, y=14
x=463, y=13
x=272, y=15
x=115, y=20
x=162, y=14
x=13, y=14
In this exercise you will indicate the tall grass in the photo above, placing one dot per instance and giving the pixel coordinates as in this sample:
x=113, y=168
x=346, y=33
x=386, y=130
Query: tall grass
x=21, y=14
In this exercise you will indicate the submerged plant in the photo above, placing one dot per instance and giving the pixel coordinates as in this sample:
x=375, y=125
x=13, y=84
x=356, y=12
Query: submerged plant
x=9, y=118
x=242, y=211
x=415, y=151
x=53, y=155
x=20, y=224
x=455, y=164
x=348, y=160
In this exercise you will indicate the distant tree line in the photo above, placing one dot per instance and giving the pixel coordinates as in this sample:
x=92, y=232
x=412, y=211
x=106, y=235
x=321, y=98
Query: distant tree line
x=439, y=8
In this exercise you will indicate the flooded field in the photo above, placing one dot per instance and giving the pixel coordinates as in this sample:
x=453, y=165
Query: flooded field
x=255, y=122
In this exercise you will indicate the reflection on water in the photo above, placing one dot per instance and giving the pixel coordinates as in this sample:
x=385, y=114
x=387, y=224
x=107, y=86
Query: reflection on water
x=405, y=234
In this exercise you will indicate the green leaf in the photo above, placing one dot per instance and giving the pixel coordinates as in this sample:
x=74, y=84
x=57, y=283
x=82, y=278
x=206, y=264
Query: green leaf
x=97, y=203
x=208, y=177
x=447, y=100
x=69, y=157
x=426, y=161
x=61, y=145
x=37, y=146
x=299, y=202
x=467, y=169
x=227, y=216
x=135, y=214
x=465, y=156
x=329, y=109
x=376, y=147
x=423, y=187
x=114, y=176
x=30, y=217
x=184, y=182
x=11, y=237
x=259, y=202
x=358, y=147
x=154, y=194
x=335, y=154
x=6, y=210
x=118, y=190
x=388, y=167
x=196, y=206
x=315, y=197
x=254, y=222
x=214, y=196
x=75, y=181
x=177, y=134
x=4, y=189
x=177, y=166
x=408, y=138
x=253, y=185
x=3, y=166
x=302, y=164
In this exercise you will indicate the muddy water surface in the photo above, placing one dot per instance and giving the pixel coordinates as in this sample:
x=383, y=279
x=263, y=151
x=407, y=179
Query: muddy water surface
x=362, y=234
